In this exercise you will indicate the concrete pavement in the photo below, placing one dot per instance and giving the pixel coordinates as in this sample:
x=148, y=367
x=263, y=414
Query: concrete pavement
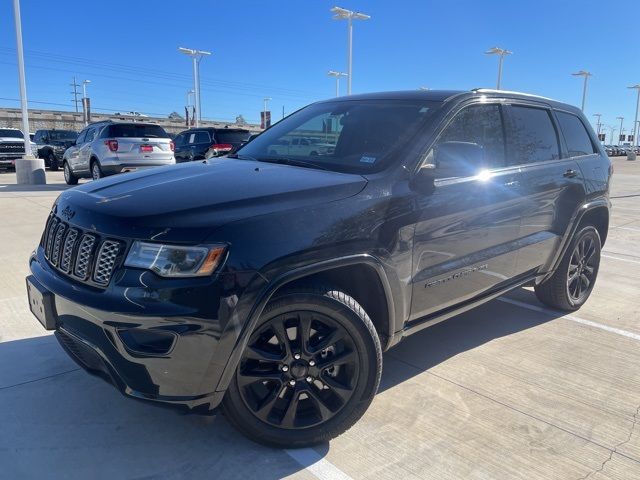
x=511, y=390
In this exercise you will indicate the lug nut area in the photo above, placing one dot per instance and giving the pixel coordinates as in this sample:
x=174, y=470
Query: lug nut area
x=298, y=370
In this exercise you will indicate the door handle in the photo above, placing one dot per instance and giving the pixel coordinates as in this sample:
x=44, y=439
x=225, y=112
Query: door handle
x=569, y=173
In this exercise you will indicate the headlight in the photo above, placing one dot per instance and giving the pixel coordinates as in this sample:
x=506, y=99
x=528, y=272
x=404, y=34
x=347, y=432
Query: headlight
x=175, y=260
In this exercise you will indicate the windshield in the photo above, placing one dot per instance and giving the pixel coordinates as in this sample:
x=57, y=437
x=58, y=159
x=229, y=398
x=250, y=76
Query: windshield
x=7, y=132
x=62, y=135
x=356, y=136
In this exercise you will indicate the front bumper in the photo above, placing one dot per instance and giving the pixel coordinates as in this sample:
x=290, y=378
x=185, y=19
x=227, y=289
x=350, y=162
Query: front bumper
x=95, y=328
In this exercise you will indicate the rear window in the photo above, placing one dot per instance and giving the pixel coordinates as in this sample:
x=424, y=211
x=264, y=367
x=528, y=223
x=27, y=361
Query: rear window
x=532, y=136
x=576, y=136
x=5, y=132
x=135, y=131
x=232, y=136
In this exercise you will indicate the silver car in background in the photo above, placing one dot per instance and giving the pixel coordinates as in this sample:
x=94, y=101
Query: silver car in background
x=106, y=148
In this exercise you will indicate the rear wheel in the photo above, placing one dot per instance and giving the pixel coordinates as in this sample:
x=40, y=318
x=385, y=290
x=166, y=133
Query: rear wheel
x=53, y=162
x=69, y=177
x=96, y=171
x=571, y=284
x=309, y=372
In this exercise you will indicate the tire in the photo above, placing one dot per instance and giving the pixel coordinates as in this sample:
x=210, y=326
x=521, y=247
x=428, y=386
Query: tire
x=571, y=284
x=96, y=171
x=338, y=370
x=53, y=162
x=69, y=177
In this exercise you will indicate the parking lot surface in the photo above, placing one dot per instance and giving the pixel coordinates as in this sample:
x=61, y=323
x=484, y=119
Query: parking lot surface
x=511, y=390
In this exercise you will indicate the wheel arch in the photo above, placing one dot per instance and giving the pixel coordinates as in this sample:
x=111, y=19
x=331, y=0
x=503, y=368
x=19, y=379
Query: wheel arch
x=364, y=266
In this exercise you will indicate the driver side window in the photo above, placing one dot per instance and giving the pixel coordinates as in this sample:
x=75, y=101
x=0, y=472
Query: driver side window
x=480, y=125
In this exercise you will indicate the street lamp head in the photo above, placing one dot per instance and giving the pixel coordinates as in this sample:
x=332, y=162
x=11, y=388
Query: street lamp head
x=193, y=52
x=498, y=51
x=266, y=99
x=636, y=86
x=342, y=14
x=334, y=73
x=619, y=118
x=86, y=81
x=582, y=73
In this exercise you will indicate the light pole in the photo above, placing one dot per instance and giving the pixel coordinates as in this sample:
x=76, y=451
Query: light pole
x=85, y=102
x=350, y=16
x=586, y=75
x=621, y=120
x=196, y=56
x=598, y=122
x=337, y=75
x=29, y=170
x=613, y=130
x=635, y=122
x=264, y=111
x=501, y=52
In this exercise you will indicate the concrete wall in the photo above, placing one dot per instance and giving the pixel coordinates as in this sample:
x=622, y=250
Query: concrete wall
x=49, y=119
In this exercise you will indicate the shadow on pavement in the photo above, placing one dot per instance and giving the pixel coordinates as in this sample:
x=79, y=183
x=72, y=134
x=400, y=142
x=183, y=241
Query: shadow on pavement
x=58, y=421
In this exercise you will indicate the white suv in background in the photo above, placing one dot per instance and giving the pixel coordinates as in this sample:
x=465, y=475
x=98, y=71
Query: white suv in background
x=106, y=148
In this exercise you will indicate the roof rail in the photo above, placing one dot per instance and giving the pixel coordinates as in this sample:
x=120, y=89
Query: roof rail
x=492, y=90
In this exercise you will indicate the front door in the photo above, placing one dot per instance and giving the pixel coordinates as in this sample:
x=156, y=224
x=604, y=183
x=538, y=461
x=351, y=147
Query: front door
x=466, y=238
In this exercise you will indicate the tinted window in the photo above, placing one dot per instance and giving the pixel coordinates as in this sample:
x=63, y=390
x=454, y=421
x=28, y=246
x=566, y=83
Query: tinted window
x=232, y=136
x=81, y=137
x=202, y=137
x=348, y=136
x=91, y=134
x=179, y=140
x=136, y=131
x=576, y=136
x=7, y=132
x=62, y=135
x=482, y=125
x=532, y=136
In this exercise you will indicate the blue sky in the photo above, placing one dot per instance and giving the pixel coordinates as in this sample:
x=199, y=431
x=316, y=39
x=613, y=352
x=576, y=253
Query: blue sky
x=283, y=48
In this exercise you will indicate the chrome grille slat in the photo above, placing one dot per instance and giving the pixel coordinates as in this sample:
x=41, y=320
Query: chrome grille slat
x=49, y=240
x=83, y=258
x=67, y=251
x=57, y=244
x=105, y=261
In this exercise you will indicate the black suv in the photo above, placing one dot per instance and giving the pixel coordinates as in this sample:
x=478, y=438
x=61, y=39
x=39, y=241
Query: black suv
x=52, y=145
x=271, y=285
x=204, y=143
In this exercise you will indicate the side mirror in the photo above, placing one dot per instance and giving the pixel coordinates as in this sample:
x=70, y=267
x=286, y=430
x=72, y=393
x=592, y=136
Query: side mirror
x=458, y=159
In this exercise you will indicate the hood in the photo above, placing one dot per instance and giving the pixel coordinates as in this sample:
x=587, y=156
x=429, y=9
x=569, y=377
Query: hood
x=62, y=143
x=186, y=202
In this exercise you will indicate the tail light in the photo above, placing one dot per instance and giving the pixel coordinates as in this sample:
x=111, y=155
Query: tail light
x=112, y=144
x=172, y=146
x=221, y=147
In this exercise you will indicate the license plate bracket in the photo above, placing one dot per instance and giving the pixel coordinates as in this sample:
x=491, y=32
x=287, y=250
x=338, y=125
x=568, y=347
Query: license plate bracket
x=41, y=303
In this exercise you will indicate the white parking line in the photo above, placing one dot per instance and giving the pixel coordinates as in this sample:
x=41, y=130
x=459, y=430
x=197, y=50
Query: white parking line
x=617, y=331
x=632, y=229
x=317, y=465
x=619, y=258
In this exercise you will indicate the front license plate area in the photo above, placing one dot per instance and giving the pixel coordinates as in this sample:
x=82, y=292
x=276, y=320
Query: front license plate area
x=41, y=303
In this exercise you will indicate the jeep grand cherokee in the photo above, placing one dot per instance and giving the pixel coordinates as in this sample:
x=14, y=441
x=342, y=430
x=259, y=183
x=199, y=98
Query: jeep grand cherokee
x=270, y=285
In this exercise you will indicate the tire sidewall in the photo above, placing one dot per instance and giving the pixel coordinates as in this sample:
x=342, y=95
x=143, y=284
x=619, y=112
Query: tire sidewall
x=588, y=230
x=369, y=356
x=95, y=164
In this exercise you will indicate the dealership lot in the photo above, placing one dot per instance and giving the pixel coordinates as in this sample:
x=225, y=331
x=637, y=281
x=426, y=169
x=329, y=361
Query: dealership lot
x=510, y=390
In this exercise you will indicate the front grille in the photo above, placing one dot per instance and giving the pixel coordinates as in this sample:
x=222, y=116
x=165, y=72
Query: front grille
x=82, y=255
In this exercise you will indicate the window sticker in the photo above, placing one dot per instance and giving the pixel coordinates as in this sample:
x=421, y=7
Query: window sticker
x=367, y=159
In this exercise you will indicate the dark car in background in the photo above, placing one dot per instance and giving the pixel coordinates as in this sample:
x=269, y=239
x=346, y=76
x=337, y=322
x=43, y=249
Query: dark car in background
x=271, y=284
x=52, y=144
x=203, y=143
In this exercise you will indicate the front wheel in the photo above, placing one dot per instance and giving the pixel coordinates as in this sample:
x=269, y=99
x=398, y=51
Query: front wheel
x=53, y=162
x=69, y=177
x=309, y=371
x=571, y=284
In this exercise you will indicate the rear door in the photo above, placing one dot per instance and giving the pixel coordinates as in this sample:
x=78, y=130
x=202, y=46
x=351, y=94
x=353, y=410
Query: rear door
x=466, y=238
x=201, y=142
x=181, y=147
x=551, y=183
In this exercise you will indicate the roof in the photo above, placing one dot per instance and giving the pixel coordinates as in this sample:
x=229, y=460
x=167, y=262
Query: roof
x=445, y=95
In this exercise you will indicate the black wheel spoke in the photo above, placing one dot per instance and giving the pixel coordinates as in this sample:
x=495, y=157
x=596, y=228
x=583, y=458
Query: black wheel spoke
x=266, y=406
x=347, y=356
x=321, y=407
x=342, y=391
x=585, y=281
x=283, y=337
x=256, y=353
x=329, y=340
x=303, y=331
x=289, y=418
x=248, y=378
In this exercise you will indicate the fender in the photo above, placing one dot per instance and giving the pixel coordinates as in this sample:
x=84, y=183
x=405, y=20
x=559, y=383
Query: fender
x=597, y=202
x=265, y=295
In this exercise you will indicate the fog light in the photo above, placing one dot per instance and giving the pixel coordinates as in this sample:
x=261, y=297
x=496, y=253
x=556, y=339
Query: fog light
x=147, y=342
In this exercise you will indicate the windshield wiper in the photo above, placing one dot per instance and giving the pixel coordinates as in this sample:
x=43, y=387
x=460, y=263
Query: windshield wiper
x=292, y=162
